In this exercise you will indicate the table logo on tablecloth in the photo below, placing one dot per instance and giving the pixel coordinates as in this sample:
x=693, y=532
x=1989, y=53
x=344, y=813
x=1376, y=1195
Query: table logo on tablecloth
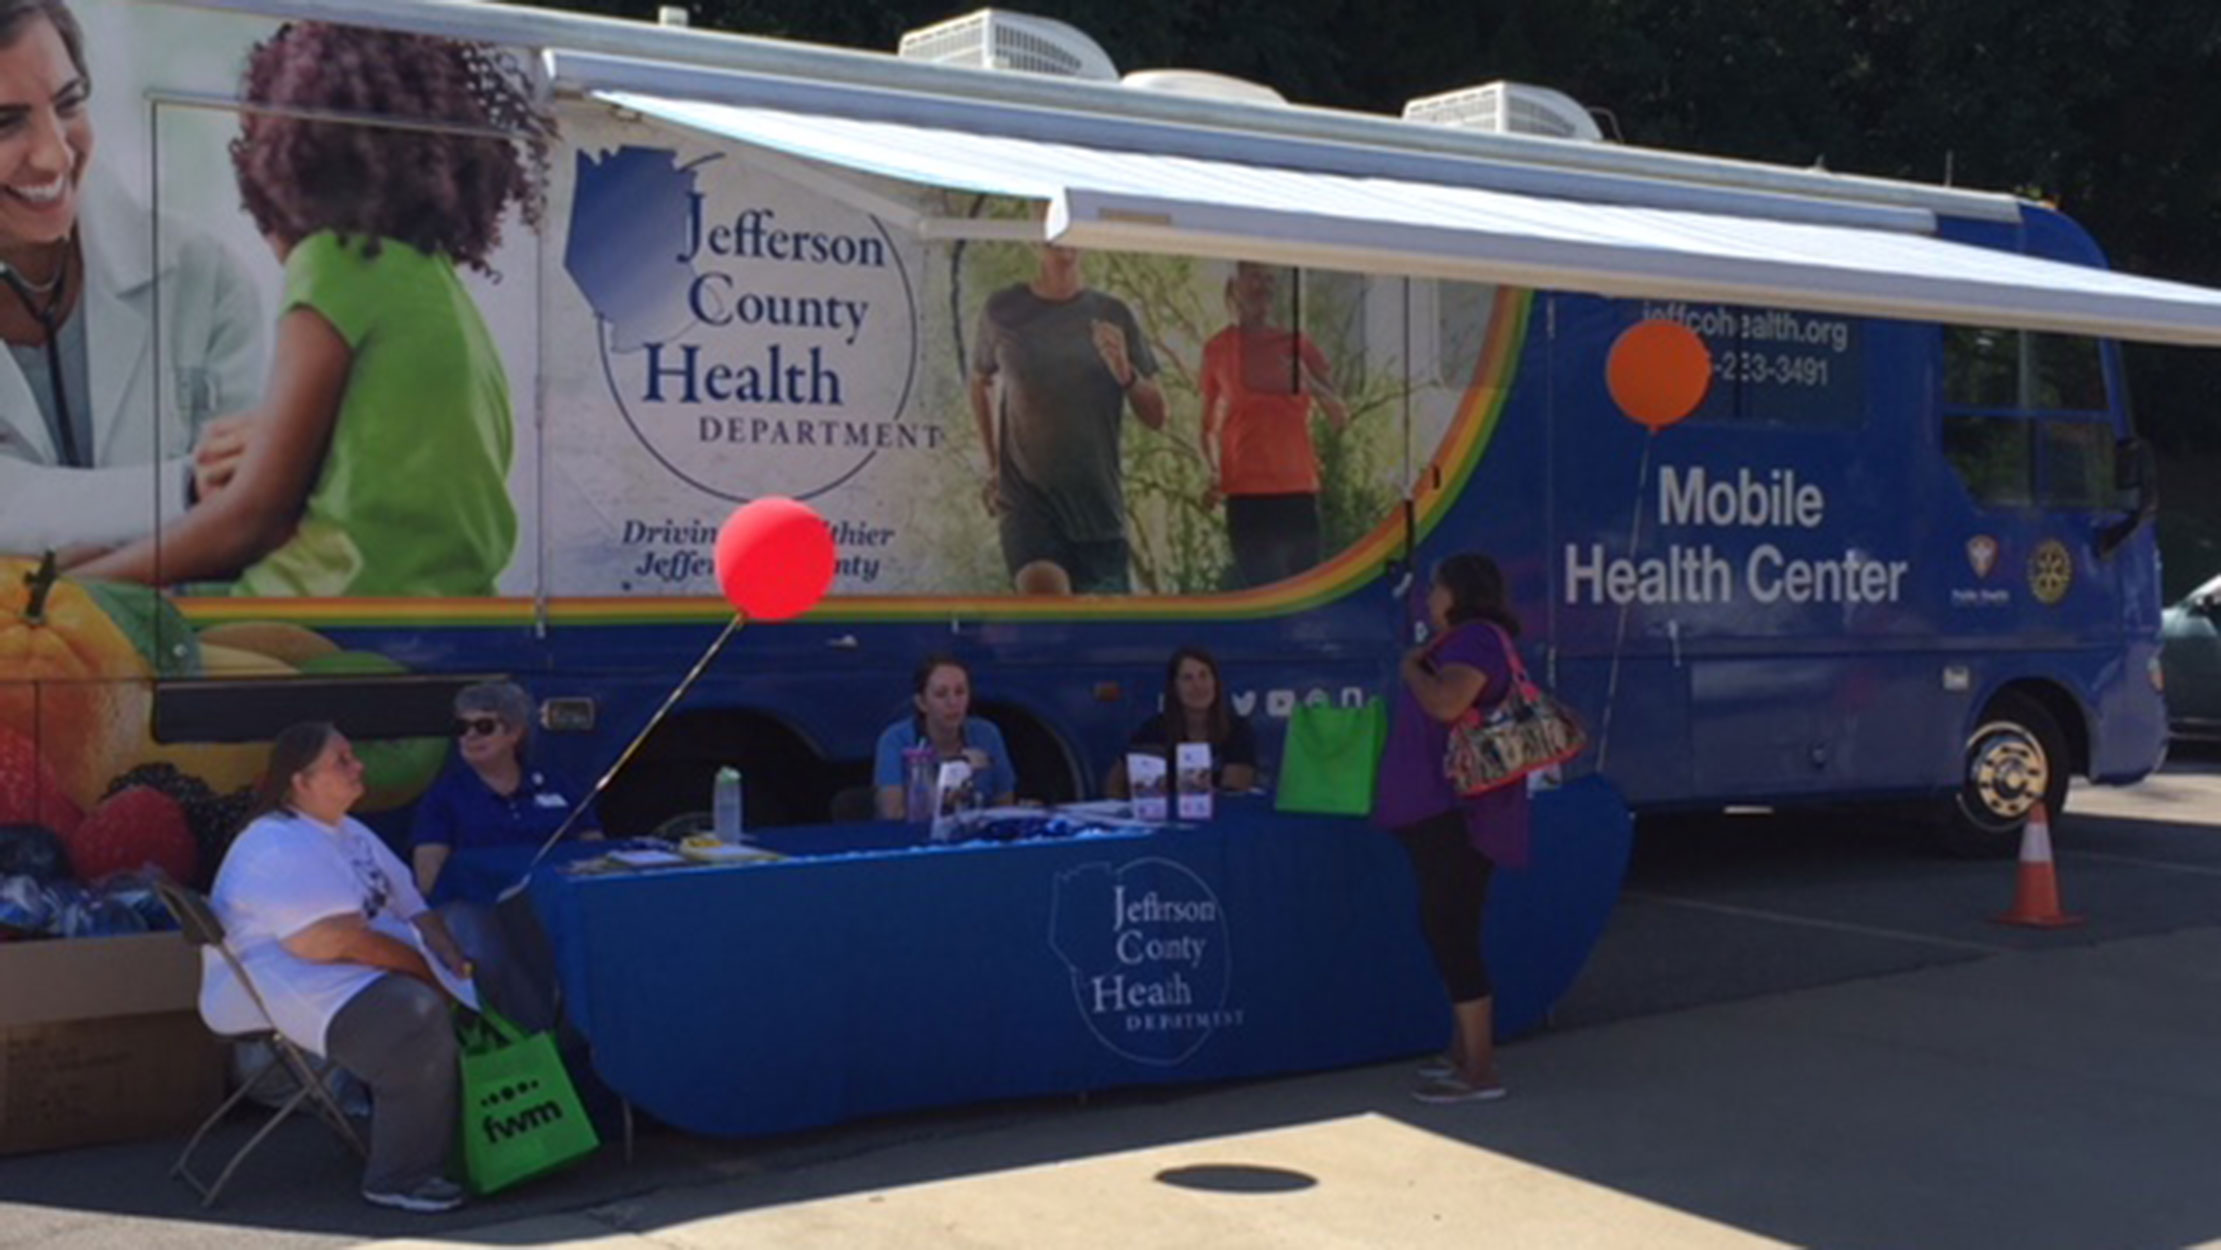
x=1147, y=948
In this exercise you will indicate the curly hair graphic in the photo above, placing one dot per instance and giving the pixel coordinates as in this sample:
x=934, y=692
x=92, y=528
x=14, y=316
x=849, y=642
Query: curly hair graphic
x=436, y=190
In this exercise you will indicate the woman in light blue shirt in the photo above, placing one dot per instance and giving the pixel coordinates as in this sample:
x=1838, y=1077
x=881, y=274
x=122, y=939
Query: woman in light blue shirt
x=942, y=693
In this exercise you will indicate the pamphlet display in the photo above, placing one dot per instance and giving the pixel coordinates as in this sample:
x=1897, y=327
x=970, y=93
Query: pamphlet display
x=1192, y=774
x=952, y=793
x=1145, y=778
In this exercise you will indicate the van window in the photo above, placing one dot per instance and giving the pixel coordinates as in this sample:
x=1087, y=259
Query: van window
x=2022, y=370
x=2077, y=465
x=2032, y=440
x=1994, y=457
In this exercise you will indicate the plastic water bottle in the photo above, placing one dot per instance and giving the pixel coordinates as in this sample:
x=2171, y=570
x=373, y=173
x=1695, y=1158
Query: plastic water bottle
x=725, y=805
x=919, y=766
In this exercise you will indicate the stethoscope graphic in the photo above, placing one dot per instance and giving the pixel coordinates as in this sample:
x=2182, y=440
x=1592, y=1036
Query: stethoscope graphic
x=49, y=319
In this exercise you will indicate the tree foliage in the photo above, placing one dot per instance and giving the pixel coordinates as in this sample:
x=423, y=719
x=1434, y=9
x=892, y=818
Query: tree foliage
x=2109, y=108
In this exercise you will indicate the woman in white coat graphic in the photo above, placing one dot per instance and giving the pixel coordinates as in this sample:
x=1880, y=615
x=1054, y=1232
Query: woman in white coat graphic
x=119, y=346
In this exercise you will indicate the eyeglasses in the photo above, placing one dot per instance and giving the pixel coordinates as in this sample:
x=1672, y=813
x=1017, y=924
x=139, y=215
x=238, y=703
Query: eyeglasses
x=473, y=726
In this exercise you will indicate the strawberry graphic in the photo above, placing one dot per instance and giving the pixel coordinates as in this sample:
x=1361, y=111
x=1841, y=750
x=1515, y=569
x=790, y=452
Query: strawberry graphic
x=30, y=794
x=136, y=827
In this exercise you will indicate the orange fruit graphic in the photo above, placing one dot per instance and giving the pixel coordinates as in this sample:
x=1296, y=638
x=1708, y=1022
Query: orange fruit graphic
x=70, y=679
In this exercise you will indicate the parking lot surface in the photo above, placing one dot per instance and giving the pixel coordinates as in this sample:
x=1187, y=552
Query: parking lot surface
x=1800, y=1030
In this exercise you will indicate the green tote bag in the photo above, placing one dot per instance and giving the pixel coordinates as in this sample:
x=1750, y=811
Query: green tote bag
x=521, y=1116
x=1331, y=759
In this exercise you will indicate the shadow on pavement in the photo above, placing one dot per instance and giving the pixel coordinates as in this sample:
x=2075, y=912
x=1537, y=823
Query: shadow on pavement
x=2009, y=1088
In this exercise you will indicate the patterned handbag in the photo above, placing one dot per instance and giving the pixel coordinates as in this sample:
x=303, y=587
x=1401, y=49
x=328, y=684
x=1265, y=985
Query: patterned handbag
x=1528, y=730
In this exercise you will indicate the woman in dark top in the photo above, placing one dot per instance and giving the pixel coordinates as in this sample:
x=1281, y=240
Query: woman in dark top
x=495, y=795
x=1195, y=710
x=1455, y=843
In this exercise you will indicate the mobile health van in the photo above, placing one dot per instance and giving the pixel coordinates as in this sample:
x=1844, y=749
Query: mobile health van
x=1078, y=369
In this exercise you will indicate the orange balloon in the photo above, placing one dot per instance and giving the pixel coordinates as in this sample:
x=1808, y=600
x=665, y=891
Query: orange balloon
x=1658, y=372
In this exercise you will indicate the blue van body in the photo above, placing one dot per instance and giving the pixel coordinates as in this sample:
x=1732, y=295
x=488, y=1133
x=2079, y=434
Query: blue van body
x=1794, y=595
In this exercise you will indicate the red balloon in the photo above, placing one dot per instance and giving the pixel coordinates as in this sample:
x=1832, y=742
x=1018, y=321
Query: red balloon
x=774, y=558
x=1658, y=372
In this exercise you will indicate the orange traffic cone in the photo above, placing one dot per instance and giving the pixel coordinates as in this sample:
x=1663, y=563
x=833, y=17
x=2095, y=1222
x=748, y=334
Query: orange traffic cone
x=2036, y=902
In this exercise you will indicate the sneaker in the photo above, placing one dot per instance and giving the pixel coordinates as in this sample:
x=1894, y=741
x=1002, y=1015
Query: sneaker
x=1456, y=1089
x=427, y=1197
x=1438, y=1068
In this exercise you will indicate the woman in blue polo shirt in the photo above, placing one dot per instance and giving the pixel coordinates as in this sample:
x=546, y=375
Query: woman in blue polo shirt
x=942, y=694
x=495, y=796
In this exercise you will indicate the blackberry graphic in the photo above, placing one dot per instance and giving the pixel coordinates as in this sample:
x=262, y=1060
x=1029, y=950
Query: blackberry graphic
x=213, y=818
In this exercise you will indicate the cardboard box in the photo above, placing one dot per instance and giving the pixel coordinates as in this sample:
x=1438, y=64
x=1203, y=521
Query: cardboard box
x=65, y=979
x=120, y=1078
x=100, y=1041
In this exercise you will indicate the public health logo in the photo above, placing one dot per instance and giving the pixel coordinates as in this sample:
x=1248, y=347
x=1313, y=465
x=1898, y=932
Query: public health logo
x=1982, y=554
x=1146, y=946
x=758, y=338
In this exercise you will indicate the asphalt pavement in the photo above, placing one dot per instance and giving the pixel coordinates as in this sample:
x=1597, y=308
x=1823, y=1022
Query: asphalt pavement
x=1799, y=1030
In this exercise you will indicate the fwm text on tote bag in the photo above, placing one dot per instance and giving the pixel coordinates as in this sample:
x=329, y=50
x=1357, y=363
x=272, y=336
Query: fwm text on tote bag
x=521, y=1116
x=1331, y=759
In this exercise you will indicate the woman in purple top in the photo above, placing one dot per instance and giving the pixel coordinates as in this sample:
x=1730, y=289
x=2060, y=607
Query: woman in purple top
x=1455, y=843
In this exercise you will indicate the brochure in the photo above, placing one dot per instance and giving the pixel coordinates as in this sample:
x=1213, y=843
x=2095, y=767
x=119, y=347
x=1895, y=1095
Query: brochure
x=1193, y=769
x=952, y=793
x=461, y=989
x=1145, y=777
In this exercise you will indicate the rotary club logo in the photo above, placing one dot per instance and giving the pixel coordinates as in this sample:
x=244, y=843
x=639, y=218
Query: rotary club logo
x=2050, y=571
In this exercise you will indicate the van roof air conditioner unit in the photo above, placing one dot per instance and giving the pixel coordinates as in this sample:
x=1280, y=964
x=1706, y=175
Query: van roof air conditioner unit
x=1507, y=108
x=993, y=39
x=1203, y=85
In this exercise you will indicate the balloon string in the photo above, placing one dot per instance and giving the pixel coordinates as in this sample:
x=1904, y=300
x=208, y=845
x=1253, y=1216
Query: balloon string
x=1619, y=642
x=624, y=757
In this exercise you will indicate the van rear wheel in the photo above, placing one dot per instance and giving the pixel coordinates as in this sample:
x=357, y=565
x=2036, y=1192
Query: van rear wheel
x=2015, y=758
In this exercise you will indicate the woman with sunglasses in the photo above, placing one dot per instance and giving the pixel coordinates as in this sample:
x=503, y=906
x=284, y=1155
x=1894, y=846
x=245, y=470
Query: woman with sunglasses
x=496, y=796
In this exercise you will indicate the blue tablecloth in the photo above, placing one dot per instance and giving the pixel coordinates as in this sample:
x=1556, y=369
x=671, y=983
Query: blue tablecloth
x=869, y=974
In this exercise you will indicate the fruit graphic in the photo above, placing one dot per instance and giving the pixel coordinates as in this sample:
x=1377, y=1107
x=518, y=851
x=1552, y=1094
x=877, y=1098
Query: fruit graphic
x=225, y=766
x=72, y=679
x=279, y=640
x=212, y=817
x=136, y=827
x=395, y=770
x=29, y=792
x=218, y=660
x=210, y=779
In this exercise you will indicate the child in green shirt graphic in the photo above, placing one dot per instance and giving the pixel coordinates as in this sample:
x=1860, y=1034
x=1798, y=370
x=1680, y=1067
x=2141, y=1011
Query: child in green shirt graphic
x=377, y=463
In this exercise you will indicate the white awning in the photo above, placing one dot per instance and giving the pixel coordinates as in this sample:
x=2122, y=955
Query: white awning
x=1183, y=205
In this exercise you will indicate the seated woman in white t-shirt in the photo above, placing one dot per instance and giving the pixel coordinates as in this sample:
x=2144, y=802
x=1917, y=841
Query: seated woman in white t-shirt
x=331, y=928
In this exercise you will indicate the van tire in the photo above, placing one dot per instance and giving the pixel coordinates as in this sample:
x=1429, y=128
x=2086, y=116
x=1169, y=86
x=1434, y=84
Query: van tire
x=2015, y=757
